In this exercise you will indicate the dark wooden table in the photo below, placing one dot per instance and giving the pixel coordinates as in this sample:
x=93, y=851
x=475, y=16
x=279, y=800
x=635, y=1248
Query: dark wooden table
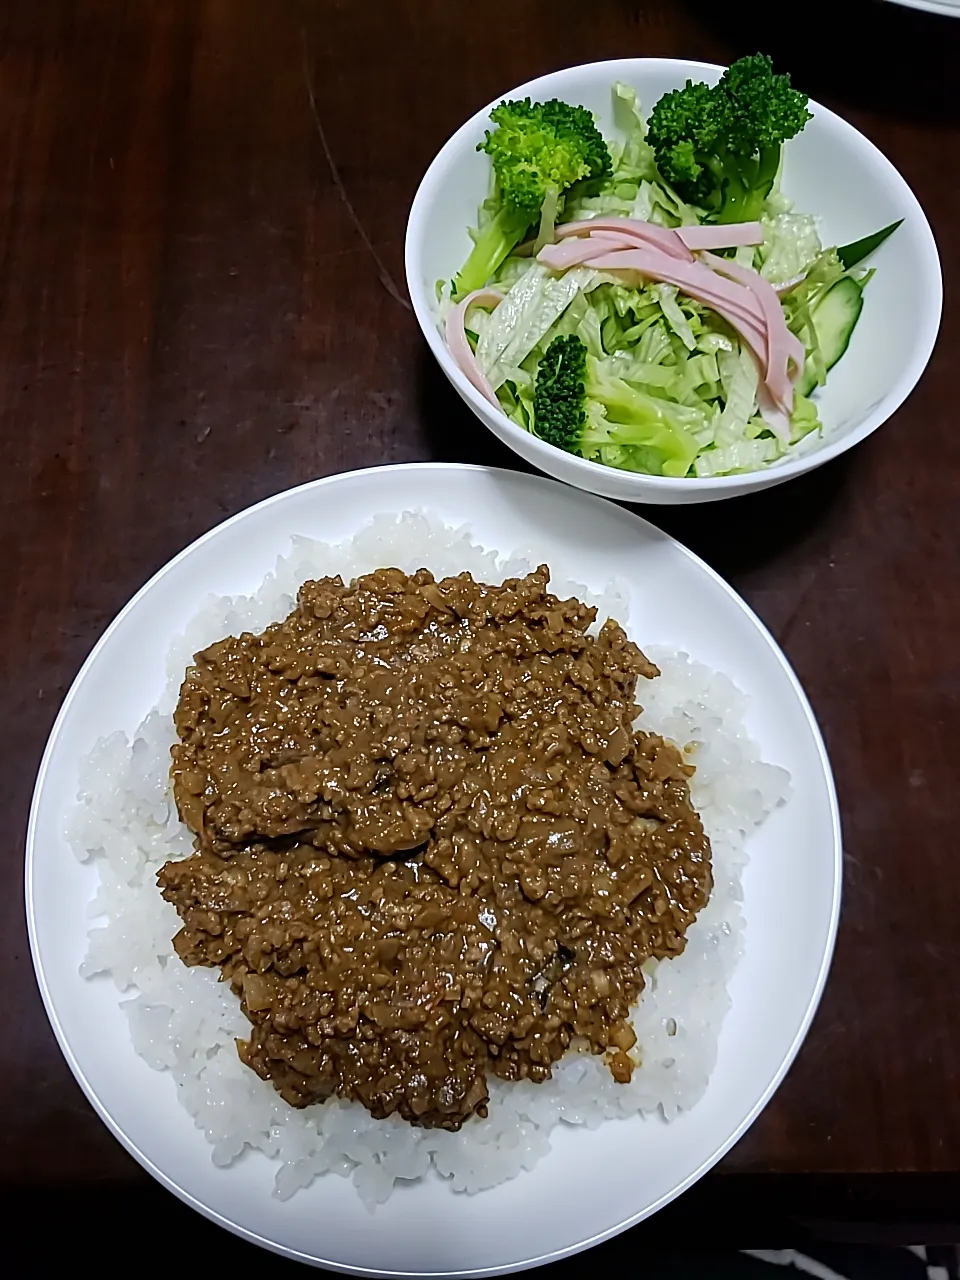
x=202, y=208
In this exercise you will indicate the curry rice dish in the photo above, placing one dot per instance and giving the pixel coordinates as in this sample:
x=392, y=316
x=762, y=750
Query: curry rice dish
x=430, y=846
x=327, y=836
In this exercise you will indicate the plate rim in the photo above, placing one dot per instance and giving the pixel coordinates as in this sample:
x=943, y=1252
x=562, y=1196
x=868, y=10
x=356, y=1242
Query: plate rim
x=943, y=8
x=237, y=1228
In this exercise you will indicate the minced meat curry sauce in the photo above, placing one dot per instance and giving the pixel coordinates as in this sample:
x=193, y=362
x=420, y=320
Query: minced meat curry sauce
x=429, y=844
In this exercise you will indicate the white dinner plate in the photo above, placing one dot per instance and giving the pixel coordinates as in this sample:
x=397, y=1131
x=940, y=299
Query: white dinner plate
x=593, y=1183
x=949, y=8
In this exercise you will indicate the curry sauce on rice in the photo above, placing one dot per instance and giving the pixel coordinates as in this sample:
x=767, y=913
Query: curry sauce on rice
x=430, y=845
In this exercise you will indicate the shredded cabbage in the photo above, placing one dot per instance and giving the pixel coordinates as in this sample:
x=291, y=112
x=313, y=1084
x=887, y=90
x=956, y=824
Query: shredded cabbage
x=739, y=455
x=693, y=387
x=790, y=245
x=678, y=322
x=525, y=315
x=739, y=377
x=634, y=189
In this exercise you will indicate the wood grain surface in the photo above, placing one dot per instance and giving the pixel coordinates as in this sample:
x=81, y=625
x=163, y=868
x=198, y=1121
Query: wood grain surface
x=202, y=210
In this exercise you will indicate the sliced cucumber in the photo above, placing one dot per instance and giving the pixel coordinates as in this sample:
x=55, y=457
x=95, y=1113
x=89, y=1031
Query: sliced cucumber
x=834, y=317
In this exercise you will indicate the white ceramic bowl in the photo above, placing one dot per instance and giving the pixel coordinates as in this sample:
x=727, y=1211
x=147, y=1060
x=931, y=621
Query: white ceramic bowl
x=830, y=170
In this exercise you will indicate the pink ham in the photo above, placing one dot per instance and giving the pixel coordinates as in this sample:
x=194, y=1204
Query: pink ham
x=731, y=236
x=574, y=253
x=737, y=305
x=648, y=233
x=606, y=252
x=457, y=338
x=776, y=418
x=766, y=295
x=783, y=349
x=742, y=297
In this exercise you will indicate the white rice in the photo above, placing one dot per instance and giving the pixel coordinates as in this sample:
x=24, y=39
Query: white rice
x=185, y=1022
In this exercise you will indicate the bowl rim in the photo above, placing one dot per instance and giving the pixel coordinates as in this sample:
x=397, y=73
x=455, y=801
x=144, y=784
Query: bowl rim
x=927, y=331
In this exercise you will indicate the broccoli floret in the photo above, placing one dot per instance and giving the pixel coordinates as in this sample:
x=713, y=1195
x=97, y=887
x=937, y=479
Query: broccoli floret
x=539, y=150
x=559, y=393
x=720, y=147
x=580, y=407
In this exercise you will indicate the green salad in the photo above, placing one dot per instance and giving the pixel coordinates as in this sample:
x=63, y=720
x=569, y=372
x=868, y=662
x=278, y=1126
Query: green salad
x=654, y=302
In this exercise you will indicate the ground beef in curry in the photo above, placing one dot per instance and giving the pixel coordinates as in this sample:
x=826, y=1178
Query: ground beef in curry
x=429, y=844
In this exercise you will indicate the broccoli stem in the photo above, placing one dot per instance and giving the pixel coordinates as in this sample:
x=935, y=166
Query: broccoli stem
x=747, y=184
x=671, y=446
x=635, y=419
x=497, y=239
x=579, y=406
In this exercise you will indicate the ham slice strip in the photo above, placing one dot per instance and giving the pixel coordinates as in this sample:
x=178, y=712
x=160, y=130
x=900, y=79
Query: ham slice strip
x=742, y=297
x=695, y=278
x=737, y=305
x=776, y=419
x=574, y=253
x=457, y=338
x=783, y=349
x=731, y=236
x=663, y=238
